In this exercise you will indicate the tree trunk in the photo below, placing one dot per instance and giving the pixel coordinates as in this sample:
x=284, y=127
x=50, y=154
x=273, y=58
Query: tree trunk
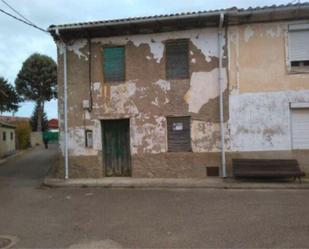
x=40, y=115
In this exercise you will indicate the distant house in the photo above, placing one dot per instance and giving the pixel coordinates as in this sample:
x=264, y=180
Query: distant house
x=14, y=119
x=22, y=131
x=53, y=125
x=7, y=139
x=177, y=95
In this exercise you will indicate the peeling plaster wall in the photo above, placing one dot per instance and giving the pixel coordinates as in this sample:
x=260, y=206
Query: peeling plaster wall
x=202, y=89
x=146, y=97
x=203, y=39
x=148, y=134
x=74, y=47
x=261, y=87
x=206, y=136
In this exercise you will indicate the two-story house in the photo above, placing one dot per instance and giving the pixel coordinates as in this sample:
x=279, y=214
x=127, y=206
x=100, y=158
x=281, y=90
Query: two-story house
x=181, y=95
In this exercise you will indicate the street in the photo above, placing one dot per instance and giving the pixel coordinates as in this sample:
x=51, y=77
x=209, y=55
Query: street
x=42, y=217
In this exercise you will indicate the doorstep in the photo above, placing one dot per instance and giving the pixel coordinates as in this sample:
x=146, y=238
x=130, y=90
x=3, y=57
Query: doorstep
x=211, y=183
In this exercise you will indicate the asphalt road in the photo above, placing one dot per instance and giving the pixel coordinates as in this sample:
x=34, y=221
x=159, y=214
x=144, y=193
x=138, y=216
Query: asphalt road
x=127, y=218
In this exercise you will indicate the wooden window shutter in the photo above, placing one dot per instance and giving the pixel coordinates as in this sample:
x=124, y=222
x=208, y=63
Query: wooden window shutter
x=177, y=61
x=179, y=134
x=114, y=63
x=298, y=42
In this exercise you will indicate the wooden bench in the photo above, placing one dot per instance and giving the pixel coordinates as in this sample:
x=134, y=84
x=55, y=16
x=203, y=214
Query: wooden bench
x=265, y=168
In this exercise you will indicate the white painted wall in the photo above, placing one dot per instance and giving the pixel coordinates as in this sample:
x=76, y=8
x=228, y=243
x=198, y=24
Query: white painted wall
x=261, y=121
x=7, y=146
x=204, y=86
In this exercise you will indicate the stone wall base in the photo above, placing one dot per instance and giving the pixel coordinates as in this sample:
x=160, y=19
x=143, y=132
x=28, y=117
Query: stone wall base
x=79, y=167
x=173, y=165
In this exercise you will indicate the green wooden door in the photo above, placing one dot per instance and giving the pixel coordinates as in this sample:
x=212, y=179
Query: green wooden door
x=116, y=147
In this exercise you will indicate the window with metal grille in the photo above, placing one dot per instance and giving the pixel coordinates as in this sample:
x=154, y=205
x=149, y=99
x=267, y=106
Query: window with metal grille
x=298, y=46
x=12, y=135
x=114, y=64
x=177, y=61
x=4, y=136
x=178, y=134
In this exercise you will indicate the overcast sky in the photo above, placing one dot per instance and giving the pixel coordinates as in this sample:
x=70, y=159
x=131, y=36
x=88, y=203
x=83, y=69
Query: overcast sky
x=18, y=41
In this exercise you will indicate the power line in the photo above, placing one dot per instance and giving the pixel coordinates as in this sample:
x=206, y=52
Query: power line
x=18, y=13
x=21, y=20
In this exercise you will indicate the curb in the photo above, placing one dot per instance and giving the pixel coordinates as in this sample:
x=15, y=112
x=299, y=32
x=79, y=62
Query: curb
x=165, y=183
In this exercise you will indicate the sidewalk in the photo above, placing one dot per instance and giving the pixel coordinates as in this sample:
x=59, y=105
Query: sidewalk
x=211, y=183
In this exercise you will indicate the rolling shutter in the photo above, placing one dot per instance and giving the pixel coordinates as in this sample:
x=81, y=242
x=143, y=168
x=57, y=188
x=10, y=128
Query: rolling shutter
x=300, y=128
x=178, y=134
x=114, y=64
x=299, y=42
x=177, y=64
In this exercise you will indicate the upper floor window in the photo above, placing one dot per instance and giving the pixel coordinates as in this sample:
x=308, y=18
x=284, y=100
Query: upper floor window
x=298, y=47
x=114, y=64
x=4, y=136
x=12, y=135
x=177, y=59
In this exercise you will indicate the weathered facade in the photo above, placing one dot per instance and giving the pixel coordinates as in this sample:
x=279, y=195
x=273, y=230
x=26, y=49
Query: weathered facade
x=169, y=126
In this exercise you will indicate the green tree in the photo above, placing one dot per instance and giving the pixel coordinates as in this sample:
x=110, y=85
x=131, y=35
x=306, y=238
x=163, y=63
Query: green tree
x=34, y=120
x=37, y=81
x=8, y=97
x=23, y=133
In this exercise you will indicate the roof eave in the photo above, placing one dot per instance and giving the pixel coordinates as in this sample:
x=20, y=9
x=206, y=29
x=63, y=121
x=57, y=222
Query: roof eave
x=209, y=19
x=6, y=125
x=132, y=21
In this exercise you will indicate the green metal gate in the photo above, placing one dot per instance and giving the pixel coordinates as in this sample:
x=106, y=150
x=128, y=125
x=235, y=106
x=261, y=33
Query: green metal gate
x=116, y=147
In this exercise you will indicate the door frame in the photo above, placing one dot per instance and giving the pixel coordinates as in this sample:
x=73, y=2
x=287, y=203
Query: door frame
x=129, y=145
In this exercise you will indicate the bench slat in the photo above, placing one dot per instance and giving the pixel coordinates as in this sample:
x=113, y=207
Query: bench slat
x=266, y=168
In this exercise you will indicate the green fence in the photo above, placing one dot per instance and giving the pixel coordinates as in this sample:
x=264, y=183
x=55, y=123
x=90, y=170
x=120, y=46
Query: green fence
x=51, y=136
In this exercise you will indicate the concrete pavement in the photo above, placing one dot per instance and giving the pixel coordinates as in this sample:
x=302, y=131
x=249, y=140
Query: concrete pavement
x=42, y=217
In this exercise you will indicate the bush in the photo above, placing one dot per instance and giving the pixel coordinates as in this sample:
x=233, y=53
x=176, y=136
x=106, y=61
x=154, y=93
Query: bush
x=23, y=132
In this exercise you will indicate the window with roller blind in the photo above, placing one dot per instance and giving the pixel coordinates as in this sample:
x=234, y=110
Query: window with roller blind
x=179, y=134
x=114, y=64
x=177, y=60
x=298, y=47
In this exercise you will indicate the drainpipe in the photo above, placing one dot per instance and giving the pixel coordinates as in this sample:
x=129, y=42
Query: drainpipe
x=65, y=89
x=65, y=96
x=220, y=79
x=89, y=74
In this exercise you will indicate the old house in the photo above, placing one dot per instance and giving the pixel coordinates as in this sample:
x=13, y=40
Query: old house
x=181, y=95
x=53, y=125
x=22, y=130
x=7, y=139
